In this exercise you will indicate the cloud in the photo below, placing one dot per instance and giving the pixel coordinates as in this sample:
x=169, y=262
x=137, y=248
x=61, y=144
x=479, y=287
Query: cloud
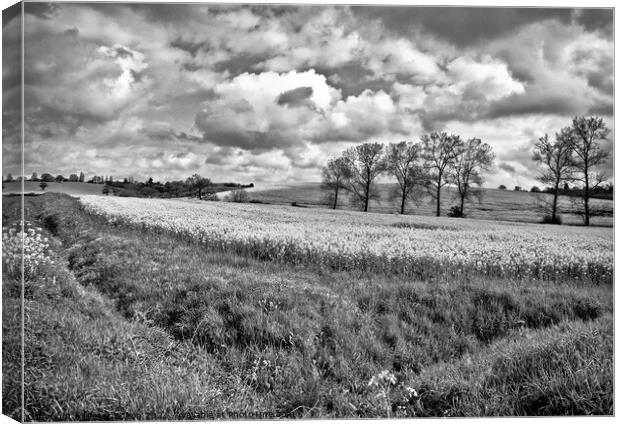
x=507, y=167
x=467, y=26
x=563, y=69
x=295, y=97
x=255, y=91
x=359, y=118
x=391, y=58
x=251, y=111
x=489, y=77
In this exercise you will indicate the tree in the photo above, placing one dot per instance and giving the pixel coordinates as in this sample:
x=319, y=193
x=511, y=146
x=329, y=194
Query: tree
x=34, y=177
x=439, y=152
x=502, y=187
x=196, y=182
x=535, y=189
x=473, y=157
x=81, y=179
x=589, y=154
x=60, y=178
x=402, y=162
x=9, y=178
x=43, y=185
x=557, y=161
x=335, y=177
x=238, y=196
x=48, y=178
x=73, y=178
x=365, y=163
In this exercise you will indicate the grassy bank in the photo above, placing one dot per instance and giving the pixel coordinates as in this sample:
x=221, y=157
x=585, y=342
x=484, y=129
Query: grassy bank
x=128, y=324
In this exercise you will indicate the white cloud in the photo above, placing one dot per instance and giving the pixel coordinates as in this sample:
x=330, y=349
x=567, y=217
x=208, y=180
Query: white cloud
x=122, y=89
x=489, y=77
x=392, y=57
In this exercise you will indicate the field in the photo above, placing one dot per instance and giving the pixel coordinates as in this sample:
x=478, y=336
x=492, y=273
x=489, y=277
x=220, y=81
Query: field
x=68, y=187
x=346, y=240
x=505, y=205
x=180, y=309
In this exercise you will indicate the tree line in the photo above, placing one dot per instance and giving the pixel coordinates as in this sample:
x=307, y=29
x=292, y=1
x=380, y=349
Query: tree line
x=423, y=167
x=575, y=155
x=195, y=185
x=47, y=178
x=439, y=159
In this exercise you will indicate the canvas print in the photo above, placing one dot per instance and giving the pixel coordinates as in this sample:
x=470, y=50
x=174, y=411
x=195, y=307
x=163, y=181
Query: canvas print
x=219, y=211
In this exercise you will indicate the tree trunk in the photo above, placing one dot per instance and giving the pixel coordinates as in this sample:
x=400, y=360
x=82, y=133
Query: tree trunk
x=462, y=203
x=438, y=199
x=554, y=208
x=586, y=195
x=336, y=198
x=402, y=202
x=366, y=197
x=586, y=203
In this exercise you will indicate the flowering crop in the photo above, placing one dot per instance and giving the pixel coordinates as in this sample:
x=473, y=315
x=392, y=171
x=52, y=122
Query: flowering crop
x=410, y=245
x=35, y=250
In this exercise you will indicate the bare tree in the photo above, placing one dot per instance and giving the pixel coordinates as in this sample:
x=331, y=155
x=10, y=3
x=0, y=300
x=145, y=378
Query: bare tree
x=335, y=178
x=196, y=182
x=473, y=157
x=439, y=152
x=557, y=160
x=402, y=162
x=589, y=154
x=237, y=196
x=365, y=163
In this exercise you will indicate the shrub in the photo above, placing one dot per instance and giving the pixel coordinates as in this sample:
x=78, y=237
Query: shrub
x=456, y=212
x=211, y=197
x=238, y=196
x=535, y=189
x=548, y=219
x=502, y=187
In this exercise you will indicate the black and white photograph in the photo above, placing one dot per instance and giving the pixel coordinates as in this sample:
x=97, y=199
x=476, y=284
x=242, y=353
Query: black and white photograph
x=301, y=211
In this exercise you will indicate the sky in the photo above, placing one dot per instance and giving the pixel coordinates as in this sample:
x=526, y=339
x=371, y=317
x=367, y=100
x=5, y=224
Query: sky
x=268, y=93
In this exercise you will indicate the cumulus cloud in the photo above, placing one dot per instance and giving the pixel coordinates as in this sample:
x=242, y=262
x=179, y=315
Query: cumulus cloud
x=489, y=77
x=507, y=167
x=251, y=91
x=295, y=97
x=251, y=111
x=557, y=63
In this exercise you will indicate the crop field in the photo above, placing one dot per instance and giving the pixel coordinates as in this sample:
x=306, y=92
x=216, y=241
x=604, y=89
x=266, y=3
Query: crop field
x=156, y=309
x=345, y=240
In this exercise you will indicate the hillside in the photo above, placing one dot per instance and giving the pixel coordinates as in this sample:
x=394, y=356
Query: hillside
x=505, y=205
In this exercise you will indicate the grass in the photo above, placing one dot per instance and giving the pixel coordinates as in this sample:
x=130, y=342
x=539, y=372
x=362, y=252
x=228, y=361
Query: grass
x=131, y=325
